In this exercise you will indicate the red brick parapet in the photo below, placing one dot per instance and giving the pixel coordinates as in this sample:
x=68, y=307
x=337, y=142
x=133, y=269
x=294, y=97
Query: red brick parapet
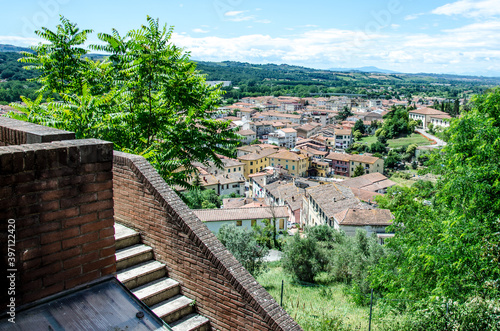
x=224, y=291
x=59, y=197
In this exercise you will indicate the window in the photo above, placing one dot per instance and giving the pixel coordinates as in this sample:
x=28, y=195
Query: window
x=228, y=170
x=367, y=172
x=251, y=162
x=251, y=171
x=293, y=167
x=287, y=167
x=239, y=168
x=254, y=222
x=351, y=162
x=239, y=223
x=272, y=164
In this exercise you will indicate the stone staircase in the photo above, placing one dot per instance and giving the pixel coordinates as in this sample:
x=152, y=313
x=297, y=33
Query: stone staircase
x=146, y=279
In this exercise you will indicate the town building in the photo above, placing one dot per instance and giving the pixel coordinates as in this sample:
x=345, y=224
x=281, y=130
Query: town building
x=373, y=182
x=370, y=164
x=214, y=219
x=426, y=115
x=295, y=164
x=248, y=136
x=286, y=137
x=371, y=220
x=256, y=161
x=322, y=202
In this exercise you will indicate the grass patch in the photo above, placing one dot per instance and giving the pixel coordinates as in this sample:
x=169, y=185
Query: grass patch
x=317, y=307
x=402, y=182
x=414, y=138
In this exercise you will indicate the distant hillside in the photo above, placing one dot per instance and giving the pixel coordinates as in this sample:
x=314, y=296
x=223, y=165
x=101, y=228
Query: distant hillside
x=365, y=69
x=12, y=48
x=242, y=71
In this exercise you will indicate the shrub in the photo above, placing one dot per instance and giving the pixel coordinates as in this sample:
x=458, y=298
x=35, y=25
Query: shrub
x=302, y=258
x=242, y=244
x=444, y=314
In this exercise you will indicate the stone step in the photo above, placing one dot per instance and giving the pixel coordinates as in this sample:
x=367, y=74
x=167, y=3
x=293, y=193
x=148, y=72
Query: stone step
x=157, y=291
x=125, y=237
x=132, y=255
x=174, y=308
x=191, y=322
x=141, y=274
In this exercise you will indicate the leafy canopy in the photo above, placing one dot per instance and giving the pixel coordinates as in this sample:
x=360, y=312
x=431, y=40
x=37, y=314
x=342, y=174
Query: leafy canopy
x=147, y=97
x=448, y=244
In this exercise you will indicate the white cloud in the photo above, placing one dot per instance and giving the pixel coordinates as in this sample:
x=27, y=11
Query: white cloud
x=412, y=16
x=395, y=26
x=461, y=50
x=263, y=21
x=20, y=41
x=197, y=30
x=233, y=13
x=470, y=8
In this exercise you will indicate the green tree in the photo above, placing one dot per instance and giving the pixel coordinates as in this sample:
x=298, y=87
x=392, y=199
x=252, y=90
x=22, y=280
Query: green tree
x=344, y=114
x=242, y=244
x=358, y=135
x=60, y=60
x=359, y=126
x=359, y=171
x=148, y=98
x=449, y=245
x=302, y=258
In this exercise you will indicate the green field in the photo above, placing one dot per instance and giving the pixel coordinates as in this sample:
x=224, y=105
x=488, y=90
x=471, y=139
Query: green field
x=313, y=306
x=414, y=138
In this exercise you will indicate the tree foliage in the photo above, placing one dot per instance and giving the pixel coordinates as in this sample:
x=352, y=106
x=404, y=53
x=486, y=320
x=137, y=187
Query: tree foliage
x=147, y=97
x=242, y=244
x=449, y=245
x=359, y=171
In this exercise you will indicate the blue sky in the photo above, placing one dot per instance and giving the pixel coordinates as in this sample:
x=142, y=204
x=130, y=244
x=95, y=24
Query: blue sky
x=439, y=36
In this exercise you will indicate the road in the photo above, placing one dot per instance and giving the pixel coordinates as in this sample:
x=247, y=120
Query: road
x=274, y=255
x=439, y=142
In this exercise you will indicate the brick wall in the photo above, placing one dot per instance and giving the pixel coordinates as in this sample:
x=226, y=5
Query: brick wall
x=60, y=196
x=14, y=132
x=224, y=291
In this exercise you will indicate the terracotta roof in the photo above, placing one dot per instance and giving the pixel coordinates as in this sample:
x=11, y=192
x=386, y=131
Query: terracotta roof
x=235, y=214
x=233, y=177
x=287, y=192
x=364, y=195
x=363, y=158
x=427, y=111
x=246, y=132
x=343, y=132
x=255, y=204
x=287, y=155
x=369, y=182
x=362, y=217
x=289, y=130
x=338, y=157
x=334, y=198
x=240, y=202
x=440, y=116
x=306, y=127
x=258, y=155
